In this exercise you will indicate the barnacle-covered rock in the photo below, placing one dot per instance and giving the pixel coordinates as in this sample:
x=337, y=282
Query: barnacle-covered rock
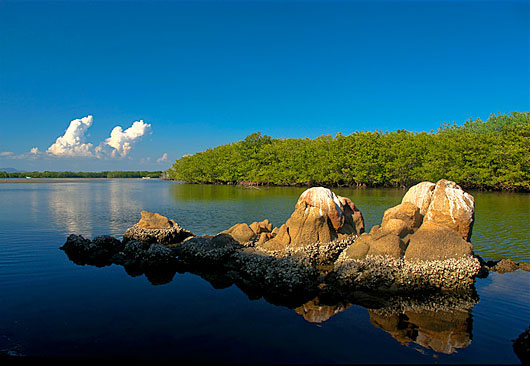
x=155, y=228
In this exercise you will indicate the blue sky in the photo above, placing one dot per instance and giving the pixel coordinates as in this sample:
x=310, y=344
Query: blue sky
x=204, y=73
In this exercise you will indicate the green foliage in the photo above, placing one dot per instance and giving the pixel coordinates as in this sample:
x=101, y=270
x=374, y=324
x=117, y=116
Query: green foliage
x=104, y=174
x=491, y=154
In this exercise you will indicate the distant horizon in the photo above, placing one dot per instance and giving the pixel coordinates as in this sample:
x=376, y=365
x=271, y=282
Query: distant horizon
x=97, y=86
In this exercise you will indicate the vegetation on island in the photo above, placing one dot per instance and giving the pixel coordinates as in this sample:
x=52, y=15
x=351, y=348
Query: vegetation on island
x=104, y=174
x=491, y=154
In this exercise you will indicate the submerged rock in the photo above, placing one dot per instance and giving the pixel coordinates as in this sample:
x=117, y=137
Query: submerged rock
x=155, y=228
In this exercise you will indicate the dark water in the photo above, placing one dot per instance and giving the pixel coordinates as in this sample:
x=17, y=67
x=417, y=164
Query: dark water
x=52, y=307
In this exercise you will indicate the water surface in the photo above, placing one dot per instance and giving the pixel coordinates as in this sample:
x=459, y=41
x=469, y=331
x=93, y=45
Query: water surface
x=52, y=307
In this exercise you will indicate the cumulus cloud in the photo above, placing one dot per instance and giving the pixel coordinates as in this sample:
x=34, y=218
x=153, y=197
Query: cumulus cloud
x=122, y=141
x=162, y=158
x=72, y=143
x=34, y=150
x=6, y=153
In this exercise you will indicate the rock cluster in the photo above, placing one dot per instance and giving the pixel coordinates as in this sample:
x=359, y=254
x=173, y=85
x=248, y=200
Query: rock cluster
x=423, y=241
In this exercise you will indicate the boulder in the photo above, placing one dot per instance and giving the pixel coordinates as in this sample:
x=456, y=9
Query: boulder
x=452, y=208
x=150, y=220
x=155, y=228
x=320, y=216
x=407, y=212
x=388, y=245
x=435, y=242
x=506, y=265
x=241, y=232
x=420, y=196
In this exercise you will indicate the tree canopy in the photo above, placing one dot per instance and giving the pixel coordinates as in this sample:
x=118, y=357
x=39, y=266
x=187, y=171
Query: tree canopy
x=491, y=154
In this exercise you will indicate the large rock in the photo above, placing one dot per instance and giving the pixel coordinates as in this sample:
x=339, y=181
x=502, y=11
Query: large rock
x=155, y=228
x=320, y=216
x=452, y=208
x=435, y=242
x=407, y=212
x=420, y=196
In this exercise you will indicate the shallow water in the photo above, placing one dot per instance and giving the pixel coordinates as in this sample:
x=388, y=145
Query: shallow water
x=52, y=307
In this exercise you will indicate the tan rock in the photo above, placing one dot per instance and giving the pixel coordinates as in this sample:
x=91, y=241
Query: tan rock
x=452, y=208
x=435, y=242
x=241, y=232
x=359, y=249
x=420, y=195
x=397, y=227
x=261, y=227
x=389, y=245
x=150, y=220
x=408, y=212
x=319, y=216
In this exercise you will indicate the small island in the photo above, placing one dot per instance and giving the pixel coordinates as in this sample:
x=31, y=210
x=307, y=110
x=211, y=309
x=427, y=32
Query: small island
x=422, y=246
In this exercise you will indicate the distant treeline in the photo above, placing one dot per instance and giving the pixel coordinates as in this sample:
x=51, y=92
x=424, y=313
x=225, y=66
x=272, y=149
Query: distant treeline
x=105, y=174
x=492, y=154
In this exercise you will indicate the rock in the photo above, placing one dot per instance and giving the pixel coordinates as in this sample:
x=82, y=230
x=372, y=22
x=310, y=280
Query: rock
x=397, y=227
x=434, y=242
x=319, y=217
x=151, y=220
x=521, y=347
x=261, y=227
x=506, y=265
x=155, y=228
x=359, y=249
x=389, y=245
x=525, y=266
x=241, y=232
x=420, y=195
x=353, y=219
x=208, y=249
x=451, y=207
x=98, y=251
x=407, y=212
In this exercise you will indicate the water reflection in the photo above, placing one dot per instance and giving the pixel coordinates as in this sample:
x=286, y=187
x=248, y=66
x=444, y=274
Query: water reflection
x=70, y=209
x=441, y=322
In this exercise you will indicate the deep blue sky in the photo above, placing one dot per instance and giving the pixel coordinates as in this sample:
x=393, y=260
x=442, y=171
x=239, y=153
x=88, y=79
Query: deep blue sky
x=209, y=73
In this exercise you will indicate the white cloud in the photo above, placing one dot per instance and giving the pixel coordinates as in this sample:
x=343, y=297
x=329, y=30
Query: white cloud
x=34, y=150
x=72, y=143
x=162, y=158
x=121, y=141
x=6, y=153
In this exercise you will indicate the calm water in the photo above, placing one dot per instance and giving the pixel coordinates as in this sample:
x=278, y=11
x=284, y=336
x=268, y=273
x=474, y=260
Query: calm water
x=50, y=306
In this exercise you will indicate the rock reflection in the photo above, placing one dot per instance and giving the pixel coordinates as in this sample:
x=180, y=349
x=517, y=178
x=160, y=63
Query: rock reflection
x=314, y=311
x=441, y=331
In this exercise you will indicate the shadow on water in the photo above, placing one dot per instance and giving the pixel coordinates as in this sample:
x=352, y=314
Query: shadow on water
x=441, y=322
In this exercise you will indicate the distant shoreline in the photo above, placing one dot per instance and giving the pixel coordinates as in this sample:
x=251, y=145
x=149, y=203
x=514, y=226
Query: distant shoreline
x=72, y=180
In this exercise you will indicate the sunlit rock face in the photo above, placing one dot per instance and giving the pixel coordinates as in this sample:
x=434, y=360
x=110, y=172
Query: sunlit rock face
x=452, y=208
x=320, y=216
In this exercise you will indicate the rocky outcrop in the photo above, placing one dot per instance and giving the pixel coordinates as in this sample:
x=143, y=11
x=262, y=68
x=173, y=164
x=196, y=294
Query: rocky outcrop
x=420, y=245
x=425, y=235
x=320, y=216
x=155, y=228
